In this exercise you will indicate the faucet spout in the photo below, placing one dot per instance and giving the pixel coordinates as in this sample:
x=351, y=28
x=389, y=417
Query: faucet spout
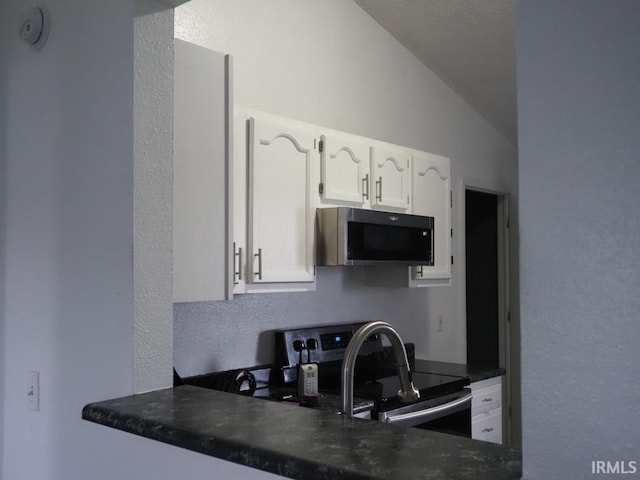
x=407, y=392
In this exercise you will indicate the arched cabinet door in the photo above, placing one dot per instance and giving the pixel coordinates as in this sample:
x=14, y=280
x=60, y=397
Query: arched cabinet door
x=432, y=197
x=344, y=169
x=390, y=178
x=280, y=215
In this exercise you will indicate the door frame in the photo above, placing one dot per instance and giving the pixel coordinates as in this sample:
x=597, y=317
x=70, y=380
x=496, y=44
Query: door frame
x=509, y=349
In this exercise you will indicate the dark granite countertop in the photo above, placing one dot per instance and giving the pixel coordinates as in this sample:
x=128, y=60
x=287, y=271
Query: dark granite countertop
x=474, y=373
x=299, y=442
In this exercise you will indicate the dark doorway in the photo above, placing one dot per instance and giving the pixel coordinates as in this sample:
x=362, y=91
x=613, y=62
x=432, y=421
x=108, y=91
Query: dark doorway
x=481, y=245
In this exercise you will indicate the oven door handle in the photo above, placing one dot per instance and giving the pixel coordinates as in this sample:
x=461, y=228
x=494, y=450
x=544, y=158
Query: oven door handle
x=423, y=415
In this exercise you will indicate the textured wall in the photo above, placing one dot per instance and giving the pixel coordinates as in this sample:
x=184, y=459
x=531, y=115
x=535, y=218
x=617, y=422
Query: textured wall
x=578, y=91
x=220, y=335
x=330, y=64
x=153, y=188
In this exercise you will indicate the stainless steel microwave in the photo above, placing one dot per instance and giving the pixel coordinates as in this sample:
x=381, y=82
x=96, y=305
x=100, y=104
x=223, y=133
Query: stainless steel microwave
x=353, y=236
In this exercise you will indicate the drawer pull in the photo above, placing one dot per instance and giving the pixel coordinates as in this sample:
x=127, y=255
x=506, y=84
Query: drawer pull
x=488, y=430
x=487, y=399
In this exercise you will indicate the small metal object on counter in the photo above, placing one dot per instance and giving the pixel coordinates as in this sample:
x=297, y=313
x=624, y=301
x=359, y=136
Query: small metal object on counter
x=245, y=378
x=308, y=394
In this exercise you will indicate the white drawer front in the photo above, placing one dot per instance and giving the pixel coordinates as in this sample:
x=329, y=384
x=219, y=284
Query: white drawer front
x=486, y=399
x=487, y=427
x=487, y=382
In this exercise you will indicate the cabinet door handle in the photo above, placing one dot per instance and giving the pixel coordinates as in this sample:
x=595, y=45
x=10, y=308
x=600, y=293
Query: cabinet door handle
x=379, y=189
x=237, y=274
x=365, y=187
x=259, y=272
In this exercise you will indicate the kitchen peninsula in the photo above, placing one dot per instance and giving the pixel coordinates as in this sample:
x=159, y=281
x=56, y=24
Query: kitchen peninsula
x=298, y=442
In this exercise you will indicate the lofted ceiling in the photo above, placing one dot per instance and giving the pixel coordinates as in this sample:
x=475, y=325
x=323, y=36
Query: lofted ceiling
x=469, y=44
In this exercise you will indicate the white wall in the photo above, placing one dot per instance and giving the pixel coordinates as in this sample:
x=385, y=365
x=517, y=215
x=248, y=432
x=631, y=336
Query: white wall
x=330, y=64
x=66, y=265
x=68, y=304
x=578, y=91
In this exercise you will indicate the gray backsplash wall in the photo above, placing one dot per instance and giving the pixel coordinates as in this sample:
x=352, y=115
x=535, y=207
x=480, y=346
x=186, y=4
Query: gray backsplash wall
x=212, y=336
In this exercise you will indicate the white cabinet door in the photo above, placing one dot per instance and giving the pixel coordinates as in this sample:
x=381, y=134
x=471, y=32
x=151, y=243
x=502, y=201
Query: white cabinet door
x=201, y=229
x=344, y=164
x=432, y=197
x=391, y=178
x=280, y=217
x=240, y=171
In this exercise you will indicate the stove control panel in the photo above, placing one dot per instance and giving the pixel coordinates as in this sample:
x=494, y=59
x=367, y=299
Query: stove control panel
x=331, y=341
x=318, y=344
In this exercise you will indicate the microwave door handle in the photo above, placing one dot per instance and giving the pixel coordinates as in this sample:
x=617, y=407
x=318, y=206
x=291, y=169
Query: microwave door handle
x=424, y=415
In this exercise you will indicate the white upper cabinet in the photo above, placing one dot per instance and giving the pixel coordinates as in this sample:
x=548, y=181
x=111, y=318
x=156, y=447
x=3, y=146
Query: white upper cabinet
x=280, y=214
x=201, y=230
x=278, y=166
x=344, y=166
x=432, y=197
x=390, y=178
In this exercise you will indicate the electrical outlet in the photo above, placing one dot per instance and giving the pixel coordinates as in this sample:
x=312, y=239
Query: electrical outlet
x=33, y=390
x=440, y=322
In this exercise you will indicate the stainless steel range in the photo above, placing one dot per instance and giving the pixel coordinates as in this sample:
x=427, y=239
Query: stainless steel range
x=443, y=403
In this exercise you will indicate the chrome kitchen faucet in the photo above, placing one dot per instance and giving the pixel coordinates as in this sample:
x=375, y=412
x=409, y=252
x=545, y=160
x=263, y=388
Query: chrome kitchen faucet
x=407, y=392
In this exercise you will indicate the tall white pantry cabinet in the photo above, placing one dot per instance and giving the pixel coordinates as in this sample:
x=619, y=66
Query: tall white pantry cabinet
x=247, y=184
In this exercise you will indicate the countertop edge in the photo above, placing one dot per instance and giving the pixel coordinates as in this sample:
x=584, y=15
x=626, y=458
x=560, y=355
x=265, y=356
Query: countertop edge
x=257, y=433
x=221, y=448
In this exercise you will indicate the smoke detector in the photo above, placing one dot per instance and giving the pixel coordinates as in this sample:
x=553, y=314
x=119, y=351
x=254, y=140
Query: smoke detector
x=34, y=26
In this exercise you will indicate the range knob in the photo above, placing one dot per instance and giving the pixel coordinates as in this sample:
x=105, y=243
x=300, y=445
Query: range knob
x=298, y=345
x=312, y=343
